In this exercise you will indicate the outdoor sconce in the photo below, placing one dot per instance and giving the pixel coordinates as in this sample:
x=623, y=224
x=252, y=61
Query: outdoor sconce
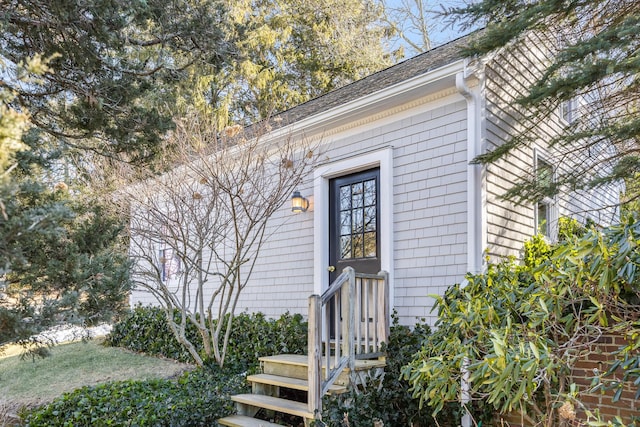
x=299, y=203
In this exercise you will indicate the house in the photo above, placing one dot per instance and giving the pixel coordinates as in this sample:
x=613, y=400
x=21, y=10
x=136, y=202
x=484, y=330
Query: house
x=396, y=191
x=398, y=200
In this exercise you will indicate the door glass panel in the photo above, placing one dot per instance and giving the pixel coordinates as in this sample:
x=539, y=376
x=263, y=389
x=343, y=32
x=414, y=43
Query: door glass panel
x=356, y=248
x=345, y=197
x=369, y=244
x=358, y=224
x=370, y=192
x=345, y=247
x=370, y=218
x=357, y=195
x=345, y=223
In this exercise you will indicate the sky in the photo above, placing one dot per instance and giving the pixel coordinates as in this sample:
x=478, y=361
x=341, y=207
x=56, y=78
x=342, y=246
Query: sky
x=440, y=30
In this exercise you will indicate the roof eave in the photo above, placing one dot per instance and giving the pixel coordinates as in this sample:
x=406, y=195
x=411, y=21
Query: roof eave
x=386, y=98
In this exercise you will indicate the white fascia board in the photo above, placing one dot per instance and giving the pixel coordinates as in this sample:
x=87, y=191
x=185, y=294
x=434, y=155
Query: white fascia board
x=397, y=92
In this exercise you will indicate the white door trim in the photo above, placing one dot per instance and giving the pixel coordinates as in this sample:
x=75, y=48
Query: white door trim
x=383, y=159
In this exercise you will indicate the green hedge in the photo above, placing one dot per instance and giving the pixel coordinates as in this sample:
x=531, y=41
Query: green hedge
x=254, y=336
x=197, y=398
x=145, y=330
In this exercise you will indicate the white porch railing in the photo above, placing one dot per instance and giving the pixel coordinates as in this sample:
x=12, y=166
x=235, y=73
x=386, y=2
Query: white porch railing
x=355, y=308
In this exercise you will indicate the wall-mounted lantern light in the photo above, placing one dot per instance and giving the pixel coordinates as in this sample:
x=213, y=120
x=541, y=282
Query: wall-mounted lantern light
x=299, y=203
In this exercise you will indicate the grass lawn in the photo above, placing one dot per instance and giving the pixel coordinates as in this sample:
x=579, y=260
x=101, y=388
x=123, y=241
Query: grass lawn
x=70, y=366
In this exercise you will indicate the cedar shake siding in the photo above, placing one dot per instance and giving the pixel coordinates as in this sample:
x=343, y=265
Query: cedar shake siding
x=420, y=122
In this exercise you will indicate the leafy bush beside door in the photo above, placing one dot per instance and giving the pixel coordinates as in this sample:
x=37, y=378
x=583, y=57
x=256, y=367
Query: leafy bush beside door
x=388, y=397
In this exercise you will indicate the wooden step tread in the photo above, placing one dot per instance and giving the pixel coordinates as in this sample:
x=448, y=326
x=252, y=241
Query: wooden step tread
x=299, y=409
x=244, y=421
x=293, y=383
x=302, y=360
x=289, y=359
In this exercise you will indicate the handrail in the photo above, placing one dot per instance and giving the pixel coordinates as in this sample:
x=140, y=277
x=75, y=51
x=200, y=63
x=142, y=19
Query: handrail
x=355, y=308
x=336, y=286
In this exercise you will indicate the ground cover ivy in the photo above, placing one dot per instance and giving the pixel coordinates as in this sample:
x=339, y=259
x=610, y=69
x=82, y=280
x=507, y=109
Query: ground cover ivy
x=145, y=330
x=197, y=398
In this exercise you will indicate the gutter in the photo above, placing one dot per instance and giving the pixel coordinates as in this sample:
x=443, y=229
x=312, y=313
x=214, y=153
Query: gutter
x=476, y=192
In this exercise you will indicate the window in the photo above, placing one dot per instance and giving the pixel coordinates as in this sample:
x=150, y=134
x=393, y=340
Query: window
x=358, y=216
x=169, y=264
x=543, y=209
x=568, y=110
x=542, y=218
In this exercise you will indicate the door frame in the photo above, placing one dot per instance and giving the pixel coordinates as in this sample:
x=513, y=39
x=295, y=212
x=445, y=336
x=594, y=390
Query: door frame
x=382, y=158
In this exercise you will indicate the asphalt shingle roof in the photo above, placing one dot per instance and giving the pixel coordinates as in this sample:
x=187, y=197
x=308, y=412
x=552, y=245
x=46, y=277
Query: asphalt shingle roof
x=420, y=64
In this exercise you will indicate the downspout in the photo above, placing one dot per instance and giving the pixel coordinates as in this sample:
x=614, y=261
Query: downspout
x=476, y=195
x=476, y=212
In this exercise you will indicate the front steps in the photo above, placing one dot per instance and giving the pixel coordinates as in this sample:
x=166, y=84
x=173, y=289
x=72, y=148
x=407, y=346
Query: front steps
x=280, y=373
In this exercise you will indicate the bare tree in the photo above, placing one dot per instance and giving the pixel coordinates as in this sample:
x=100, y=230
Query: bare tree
x=412, y=20
x=420, y=25
x=197, y=231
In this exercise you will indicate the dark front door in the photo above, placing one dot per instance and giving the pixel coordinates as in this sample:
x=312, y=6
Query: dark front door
x=354, y=212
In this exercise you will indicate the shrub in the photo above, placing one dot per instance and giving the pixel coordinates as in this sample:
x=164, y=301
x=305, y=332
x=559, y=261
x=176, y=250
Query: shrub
x=198, y=398
x=388, y=398
x=254, y=336
x=522, y=332
x=145, y=330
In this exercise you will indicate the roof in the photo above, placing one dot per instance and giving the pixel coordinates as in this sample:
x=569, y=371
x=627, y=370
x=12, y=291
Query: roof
x=418, y=65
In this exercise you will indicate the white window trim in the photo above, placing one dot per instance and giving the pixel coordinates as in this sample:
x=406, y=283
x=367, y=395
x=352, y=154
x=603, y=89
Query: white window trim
x=380, y=158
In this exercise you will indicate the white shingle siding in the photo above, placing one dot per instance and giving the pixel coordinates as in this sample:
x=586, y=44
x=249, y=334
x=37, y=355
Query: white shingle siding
x=508, y=225
x=429, y=181
x=429, y=170
x=429, y=208
x=428, y=145
x=283, y=276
